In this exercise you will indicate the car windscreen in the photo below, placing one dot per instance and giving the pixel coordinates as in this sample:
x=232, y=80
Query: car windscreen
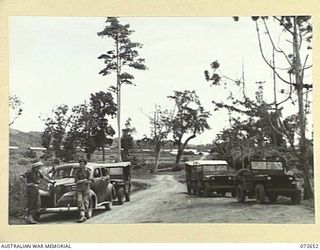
x=211, y=169
x=274, y=165
x=115, y=171
x=63, y=172
x=259, y=165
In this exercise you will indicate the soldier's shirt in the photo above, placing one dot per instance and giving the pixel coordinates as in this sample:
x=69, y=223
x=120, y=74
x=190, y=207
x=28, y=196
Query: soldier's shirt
x=82, y=174
x=33, y=176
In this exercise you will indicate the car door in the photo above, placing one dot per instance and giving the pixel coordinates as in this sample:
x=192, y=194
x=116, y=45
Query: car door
x=98, y=185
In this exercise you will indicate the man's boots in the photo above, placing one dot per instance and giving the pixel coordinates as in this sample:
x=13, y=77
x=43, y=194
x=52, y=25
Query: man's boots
x=82, y=217
x=29, y=220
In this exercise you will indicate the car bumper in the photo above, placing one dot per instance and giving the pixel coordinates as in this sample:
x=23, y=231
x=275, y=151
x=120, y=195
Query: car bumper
x=57, y=210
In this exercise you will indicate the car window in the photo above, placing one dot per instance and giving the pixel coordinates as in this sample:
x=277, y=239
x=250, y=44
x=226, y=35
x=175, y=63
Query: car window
x=97, y=173
x=62, y=172
x=275, y=165
x=104, y=172
x=259, y=165
x=208, y=169
x=115, y=171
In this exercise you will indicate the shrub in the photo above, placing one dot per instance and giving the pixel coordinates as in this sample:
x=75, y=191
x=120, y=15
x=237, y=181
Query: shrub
x=17, y=196
x=23, y=161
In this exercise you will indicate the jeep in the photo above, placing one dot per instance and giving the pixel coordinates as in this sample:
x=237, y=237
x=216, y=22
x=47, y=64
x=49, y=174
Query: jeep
x=120, y=177
x=207, y=176
x=265, y=179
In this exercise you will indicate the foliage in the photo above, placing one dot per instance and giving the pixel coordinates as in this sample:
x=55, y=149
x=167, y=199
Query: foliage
x=127, y=142
x=188, y=120
x=124, y=55
x=15, y=108
x=55, y=128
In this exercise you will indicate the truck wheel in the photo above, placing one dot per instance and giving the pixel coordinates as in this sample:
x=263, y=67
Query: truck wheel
x=223, y=194
x=296, y=198
x=89, y=212
x=127, y=194
x=260, y=194
x=206, y=192
x=233, y=193
x=189, y=187
x=120, y=196
x=197, y=189
x=240, y=193
x=273, y=197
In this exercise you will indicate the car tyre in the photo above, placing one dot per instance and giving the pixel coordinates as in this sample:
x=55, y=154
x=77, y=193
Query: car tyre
x=296, y=198
x=240, y=193
x=260, y=194
x=89, y=212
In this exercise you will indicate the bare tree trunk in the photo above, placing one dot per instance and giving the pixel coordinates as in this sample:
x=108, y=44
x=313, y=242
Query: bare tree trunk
x=302, y=123
x=103, y=154
x=118, y=101
x=157, y=152
x=179, y=154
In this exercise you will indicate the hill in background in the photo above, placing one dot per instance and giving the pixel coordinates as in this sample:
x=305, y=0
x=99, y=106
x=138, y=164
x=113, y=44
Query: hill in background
x=24, y=140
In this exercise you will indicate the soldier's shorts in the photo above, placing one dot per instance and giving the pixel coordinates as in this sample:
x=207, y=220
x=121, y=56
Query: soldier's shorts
x=33, y=198
x=82, y=198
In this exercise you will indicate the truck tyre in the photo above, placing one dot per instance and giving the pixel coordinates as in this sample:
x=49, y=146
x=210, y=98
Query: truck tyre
x=260, y=194
x=296, y=198
x=240, y=193
x=127, y=194
x=120, y=196
x=273, y=197
x=189, y=187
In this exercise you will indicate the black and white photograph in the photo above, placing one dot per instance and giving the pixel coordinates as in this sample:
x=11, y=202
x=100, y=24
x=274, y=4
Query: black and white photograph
x=132, y=120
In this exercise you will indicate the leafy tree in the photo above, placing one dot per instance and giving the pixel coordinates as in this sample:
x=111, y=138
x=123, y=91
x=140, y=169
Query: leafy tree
x=123, y=55
x=80, y=132
x=55, y=129
x=298, y=32
x=188, y=120
x=15, y=108
x=127, y=140
x=102, y=105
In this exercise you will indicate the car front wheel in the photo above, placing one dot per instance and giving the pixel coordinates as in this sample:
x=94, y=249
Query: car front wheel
x=260, y=194
x=240, y=193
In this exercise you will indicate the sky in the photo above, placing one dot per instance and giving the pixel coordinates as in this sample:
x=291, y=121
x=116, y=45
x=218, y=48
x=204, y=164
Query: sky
x=53, y=61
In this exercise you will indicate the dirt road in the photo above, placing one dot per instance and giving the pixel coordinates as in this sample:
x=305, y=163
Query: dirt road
x=166, y=201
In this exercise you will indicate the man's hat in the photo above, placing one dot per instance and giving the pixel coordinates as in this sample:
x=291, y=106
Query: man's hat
x=37, y=164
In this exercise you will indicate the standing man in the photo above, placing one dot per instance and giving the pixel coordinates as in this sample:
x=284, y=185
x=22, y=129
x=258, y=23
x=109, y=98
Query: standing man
x=33, y=178
x=82, y=180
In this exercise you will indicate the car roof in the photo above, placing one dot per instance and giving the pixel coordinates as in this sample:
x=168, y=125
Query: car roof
x=206, y=162
x=92, y=165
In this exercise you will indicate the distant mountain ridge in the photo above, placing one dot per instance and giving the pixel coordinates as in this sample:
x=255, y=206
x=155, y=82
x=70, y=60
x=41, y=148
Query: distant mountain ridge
x=24, y=139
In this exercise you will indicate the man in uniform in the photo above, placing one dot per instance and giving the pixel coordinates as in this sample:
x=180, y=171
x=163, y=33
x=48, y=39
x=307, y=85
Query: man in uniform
x=33, y=178
x=82, y=180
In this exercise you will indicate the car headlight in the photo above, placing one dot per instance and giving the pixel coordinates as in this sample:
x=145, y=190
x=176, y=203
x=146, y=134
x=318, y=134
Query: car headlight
x=269, y=178
x=290, y=178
